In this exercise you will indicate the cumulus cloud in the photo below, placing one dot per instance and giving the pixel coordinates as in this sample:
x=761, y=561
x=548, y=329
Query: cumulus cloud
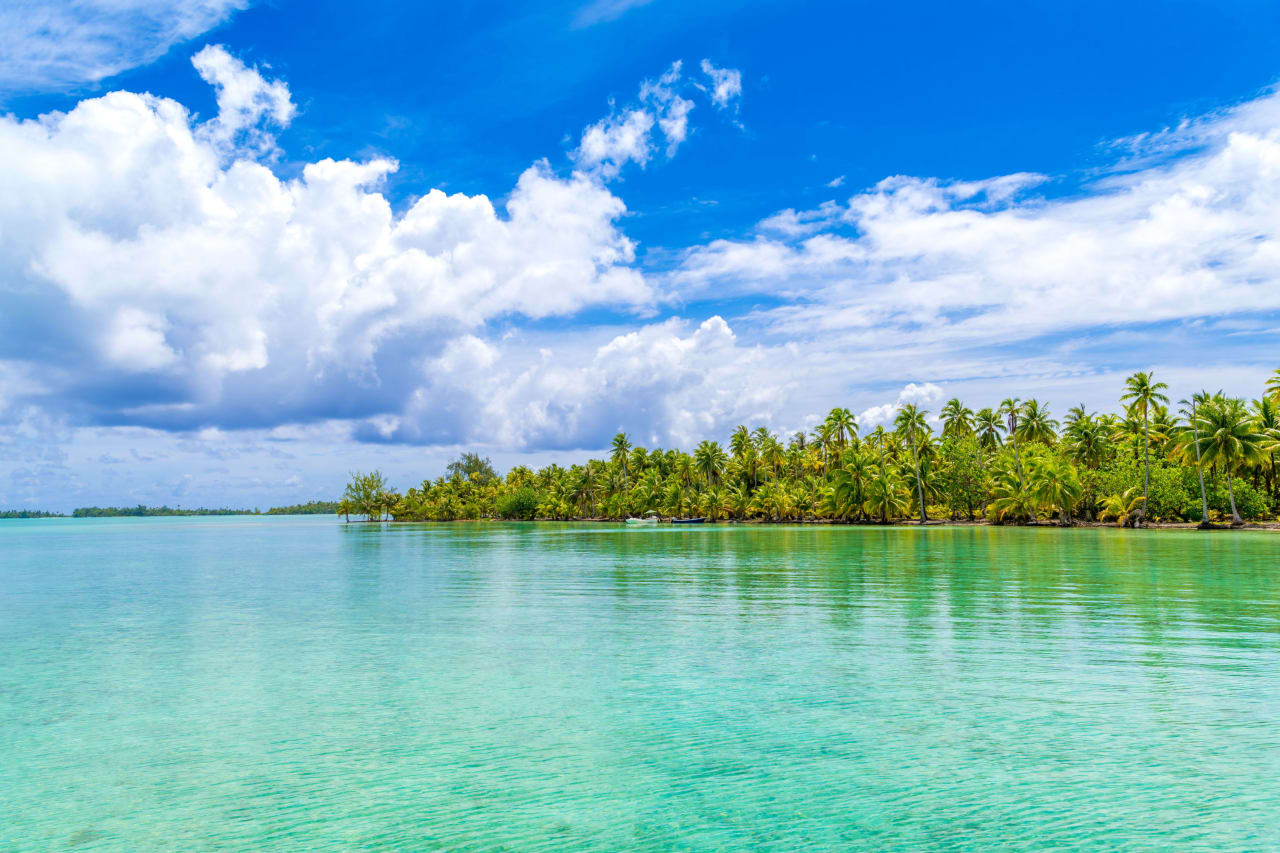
x=665, y=383
x=627, y=134
x=57, y=43
x=155, y=272
x=248, y=105
x=912, y=393
x=1187, y=236
x=158, y=274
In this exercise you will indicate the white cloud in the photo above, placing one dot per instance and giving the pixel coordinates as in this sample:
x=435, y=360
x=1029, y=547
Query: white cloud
x=962, y=263
x=836, y=182
x=245, y=102
x=726, y=84
x=626, y=135
x=147, y=245
x=792, y=223
x=615, y=140
x=664, y=383
x=600, y=11
x=883, y=414
x=58, y=43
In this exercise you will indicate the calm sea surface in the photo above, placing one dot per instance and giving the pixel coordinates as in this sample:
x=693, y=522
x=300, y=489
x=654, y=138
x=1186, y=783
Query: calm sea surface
x=294, y=683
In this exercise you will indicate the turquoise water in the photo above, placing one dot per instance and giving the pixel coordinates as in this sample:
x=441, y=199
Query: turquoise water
x=288, y=684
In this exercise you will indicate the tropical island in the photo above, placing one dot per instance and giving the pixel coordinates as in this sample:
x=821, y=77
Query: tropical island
x=1211, y=461
x=142, y=511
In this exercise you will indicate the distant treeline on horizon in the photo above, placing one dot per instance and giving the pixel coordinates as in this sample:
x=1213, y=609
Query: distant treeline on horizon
x=141, y=511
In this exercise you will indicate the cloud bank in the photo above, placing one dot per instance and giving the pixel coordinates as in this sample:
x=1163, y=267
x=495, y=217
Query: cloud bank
x=156, y=272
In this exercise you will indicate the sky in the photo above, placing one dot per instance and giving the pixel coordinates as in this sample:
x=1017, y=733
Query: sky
x=249, y=247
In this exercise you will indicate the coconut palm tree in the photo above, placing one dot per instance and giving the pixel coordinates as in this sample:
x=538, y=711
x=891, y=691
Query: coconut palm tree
x=1189, y=412
x=1075, y=415
x=1011, y=407
x=886, y=495
x=1273, y=386
x=1086, y=442
x=988, y=427
x=957, y=419
x=1123, y=508
x=710, y=459
x=1142, y=393
x=621, y=447
x=1056, y=485
x=911, y=424
x=843, y=425
x=1229, y=439
x=1266, y=418
x=1035, y=424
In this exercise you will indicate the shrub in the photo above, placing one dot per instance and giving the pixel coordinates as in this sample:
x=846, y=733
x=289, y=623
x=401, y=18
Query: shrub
x=1249, y=501
x=1172, y=495
x=520, y=504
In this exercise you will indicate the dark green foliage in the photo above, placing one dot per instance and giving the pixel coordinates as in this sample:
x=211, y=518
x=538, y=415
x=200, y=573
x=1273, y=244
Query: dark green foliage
x=309, y=508
x=29, y=513
x=1249, y=501
x=961, y=480
x=368, y=495
x=472, y=466
x=521, y=504
x=1173, y=497
x=141, y=511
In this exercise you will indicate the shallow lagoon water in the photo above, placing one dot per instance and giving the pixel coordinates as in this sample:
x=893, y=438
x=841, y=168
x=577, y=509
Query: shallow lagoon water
x=297, y=683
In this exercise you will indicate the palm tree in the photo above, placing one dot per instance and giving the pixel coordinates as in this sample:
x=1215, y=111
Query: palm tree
x=1075, y=415
x=957, y=419
x=988, y=426
x=1056, y=485
x=885, y=495
x=1273, y=386
x=710, y=459
x=843, y=424
x=1121, y=507
x=1266, y=418
x=621, y=447
x=1010, y=409
x=1142, y=392
x=1087, y=442
x=1189, y=412
x=1229, y=439
x=910, y=422
x=1036, y=425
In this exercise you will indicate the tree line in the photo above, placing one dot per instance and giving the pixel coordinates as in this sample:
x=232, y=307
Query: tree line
x=142, y=511
x=1206, y=458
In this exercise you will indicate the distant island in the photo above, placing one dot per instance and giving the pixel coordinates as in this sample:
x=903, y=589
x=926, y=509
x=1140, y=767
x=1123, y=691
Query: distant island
x=141, y=511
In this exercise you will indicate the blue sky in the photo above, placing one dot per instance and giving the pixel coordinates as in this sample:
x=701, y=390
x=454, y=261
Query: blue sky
x=225, y=277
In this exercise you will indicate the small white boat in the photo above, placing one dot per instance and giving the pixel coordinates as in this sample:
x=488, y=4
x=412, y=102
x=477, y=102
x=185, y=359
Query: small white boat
x=649, y=518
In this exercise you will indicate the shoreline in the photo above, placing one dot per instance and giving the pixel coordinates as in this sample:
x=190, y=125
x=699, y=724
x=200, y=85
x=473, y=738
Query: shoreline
x=822, y=522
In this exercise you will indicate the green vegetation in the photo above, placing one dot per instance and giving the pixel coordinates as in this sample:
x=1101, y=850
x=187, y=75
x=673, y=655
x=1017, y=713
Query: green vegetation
x=309, y=508
x=1213, y=460
x=314, y=507
x=141, y=511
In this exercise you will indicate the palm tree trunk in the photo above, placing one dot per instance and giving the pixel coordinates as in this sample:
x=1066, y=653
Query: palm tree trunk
x=1204, y=499
x=1235, y=516
x=1017, y=461
x=919, y=488
x=1146, y=464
